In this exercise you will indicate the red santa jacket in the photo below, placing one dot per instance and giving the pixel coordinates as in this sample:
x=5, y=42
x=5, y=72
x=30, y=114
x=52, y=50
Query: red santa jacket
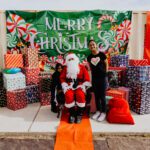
x=82, y=77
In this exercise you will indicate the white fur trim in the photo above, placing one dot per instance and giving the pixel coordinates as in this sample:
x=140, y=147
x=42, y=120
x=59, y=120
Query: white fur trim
x=88, y=84
x=80, y=104
x=70, y=105
x=64, y=84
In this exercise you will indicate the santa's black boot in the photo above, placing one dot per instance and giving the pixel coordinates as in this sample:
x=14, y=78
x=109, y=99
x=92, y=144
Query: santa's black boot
x=79, y=114
x=72, y=115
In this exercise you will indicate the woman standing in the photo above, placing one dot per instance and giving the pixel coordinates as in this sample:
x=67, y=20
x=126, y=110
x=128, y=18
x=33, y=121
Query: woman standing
x=56, y=88
x=99, y=66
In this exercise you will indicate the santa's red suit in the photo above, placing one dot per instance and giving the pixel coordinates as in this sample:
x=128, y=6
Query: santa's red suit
x=75, y=89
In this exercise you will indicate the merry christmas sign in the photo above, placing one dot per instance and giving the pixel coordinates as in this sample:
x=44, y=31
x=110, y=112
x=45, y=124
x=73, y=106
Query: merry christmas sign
x=56, y=33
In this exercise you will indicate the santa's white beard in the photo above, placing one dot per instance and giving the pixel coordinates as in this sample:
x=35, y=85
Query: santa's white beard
x=72, y=69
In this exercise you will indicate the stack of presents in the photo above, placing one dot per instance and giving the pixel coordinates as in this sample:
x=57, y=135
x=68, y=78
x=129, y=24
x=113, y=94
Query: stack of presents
x=27, y=86
x=130, y=79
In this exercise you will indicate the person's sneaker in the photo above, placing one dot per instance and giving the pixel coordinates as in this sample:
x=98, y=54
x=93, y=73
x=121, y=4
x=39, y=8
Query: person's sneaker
x=101, y=117
x=96, y=115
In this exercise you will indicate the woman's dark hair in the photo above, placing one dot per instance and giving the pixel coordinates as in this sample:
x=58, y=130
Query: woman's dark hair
x=58, y=65
x=91, y=41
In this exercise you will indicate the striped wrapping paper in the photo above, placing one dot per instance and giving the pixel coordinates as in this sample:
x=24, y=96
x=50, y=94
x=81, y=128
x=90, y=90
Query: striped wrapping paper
x=137, y=73
x=14, y=81
x=32, y=93
x=135, y=62
x=139, y=97
x=3, y=101
x=31, y=58
x=119, y=61
x=32, y=75
x=13, y=60
x=45, y=98
x=16, y=99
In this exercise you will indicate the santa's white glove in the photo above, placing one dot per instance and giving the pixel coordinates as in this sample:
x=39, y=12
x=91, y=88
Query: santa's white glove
x=87, y=84
x=65, y=87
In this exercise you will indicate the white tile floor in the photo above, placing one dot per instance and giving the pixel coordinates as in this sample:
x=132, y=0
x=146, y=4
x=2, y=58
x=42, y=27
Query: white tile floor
x=34, y=118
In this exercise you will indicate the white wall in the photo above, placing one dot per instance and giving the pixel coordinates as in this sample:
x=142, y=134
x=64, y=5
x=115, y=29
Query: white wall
x=135, y=47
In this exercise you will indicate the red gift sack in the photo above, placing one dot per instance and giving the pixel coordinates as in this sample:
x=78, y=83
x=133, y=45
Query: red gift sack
x=119, y=112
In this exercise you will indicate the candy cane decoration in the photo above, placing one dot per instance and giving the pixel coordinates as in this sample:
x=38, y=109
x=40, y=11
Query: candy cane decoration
x=102, y=18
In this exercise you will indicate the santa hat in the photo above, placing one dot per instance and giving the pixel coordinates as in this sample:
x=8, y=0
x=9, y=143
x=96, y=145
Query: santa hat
x=72, y=55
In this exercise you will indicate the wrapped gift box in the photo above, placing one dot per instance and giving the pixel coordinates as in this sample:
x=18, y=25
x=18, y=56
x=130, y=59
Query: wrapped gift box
x=45, y=85
x=139, y=97
x=32, y=94
x=14, y=81
x=45, y=98
x=135, y=62
x=126, y=90
x=32, y=75
x=13, y=60
x=119, y=60
x=3, y=101
x=116, y=76
x=138, y=73
x=16, y=99
x=31, y=58
x=115, y=93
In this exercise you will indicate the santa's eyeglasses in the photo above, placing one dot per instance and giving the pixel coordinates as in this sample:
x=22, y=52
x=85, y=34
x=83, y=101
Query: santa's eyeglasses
x=70, y=59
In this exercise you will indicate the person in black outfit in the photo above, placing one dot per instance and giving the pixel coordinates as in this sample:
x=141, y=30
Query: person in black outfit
x=56, y=89
x=98, y=64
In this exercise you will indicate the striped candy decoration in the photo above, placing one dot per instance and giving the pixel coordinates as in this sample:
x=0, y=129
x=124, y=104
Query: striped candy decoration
x=124, y=29
x=118, y=43
x=13, y=60
x=29, y=32
x=16, y=25
x=102, y=18
x=11, y=40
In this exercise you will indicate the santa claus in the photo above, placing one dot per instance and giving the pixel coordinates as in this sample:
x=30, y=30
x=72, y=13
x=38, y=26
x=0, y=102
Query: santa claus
x=74, y=80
